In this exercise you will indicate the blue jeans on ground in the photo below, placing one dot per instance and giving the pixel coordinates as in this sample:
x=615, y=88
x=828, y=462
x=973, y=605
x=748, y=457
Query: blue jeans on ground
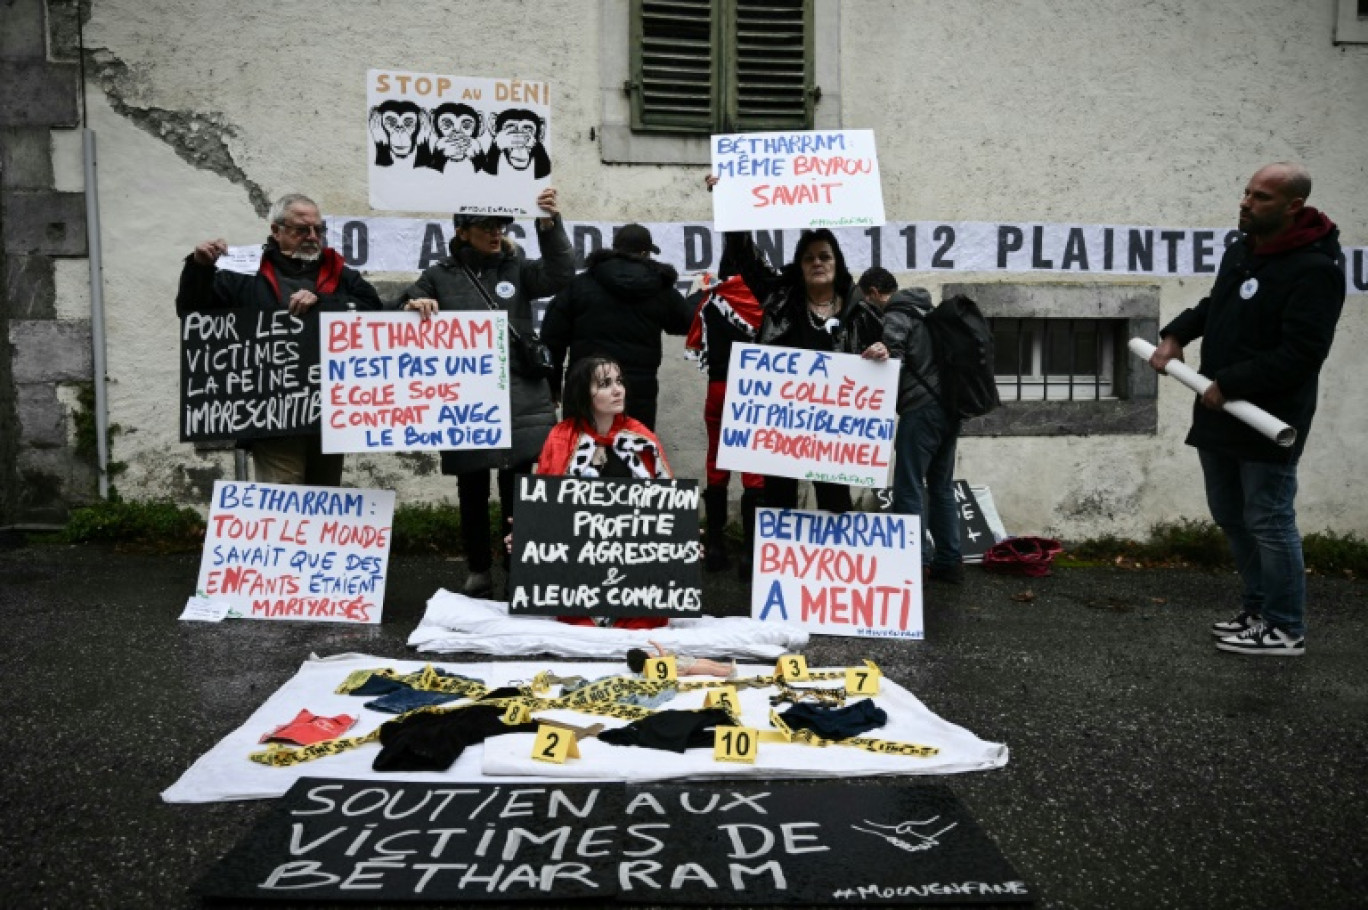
x=1252, y=501
x=924, y=473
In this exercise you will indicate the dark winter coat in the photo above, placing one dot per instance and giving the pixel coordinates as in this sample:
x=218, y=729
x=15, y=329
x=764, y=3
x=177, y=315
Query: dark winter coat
x=207, y=287
x=907, y=339
x=619, y=306
x=512, y=282
x=1265, y=344
x=861, y=323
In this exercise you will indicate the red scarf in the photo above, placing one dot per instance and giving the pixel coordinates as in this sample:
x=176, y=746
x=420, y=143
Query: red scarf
x=735, y=301
x=1308, y=226
x=625, y=436
x=330, y=267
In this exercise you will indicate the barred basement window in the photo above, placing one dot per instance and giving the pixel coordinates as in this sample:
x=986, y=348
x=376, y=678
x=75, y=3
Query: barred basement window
x=1055, y=359
x=721, y=66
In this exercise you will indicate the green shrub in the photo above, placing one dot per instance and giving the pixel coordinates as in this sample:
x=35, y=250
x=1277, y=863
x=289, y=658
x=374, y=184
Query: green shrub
x=1335, y=554
x=1192, y=541
x=426, y=529
x=161, y=524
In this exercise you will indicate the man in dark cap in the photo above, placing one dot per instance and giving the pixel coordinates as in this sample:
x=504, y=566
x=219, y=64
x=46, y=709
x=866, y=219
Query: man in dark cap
x=619, y=306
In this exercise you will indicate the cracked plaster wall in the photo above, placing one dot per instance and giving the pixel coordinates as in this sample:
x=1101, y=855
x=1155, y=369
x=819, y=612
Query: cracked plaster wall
x=1158, y=118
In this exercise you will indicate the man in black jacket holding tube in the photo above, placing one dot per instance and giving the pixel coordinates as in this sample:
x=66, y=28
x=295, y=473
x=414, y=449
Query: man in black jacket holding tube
x=1266, y=328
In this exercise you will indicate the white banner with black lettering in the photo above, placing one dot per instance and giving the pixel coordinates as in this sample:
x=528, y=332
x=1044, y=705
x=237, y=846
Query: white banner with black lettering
x=413, y=244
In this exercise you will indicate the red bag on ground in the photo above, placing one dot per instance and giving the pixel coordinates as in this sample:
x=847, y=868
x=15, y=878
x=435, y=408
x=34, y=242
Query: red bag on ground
x=1022, y=556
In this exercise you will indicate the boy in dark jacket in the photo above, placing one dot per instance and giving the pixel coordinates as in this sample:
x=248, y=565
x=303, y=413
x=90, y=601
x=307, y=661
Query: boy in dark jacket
x=924, y=448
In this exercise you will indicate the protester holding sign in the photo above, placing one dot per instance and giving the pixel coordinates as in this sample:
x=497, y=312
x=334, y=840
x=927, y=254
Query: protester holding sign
x=924, y=463
x=818, y=308
x=728, y=312
x=485, y=270
x=598, y=439
x=298, y=277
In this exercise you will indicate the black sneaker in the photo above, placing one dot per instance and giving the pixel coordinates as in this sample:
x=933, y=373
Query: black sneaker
x=715, y=559
x=951, y=575
x=1263, y=639
x=1234, y=625
x=479, y=585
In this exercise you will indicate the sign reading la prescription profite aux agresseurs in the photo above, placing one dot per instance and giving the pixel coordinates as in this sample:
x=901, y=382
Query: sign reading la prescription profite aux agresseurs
x=587, y=546
x=293, y=552
x=857, y=573
x=393, y=382
x=812, y=179
x=815, y=416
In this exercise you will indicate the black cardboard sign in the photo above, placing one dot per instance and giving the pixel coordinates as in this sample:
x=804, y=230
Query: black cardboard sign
x=594, y=547
x=248, y=374
x=742, y=843
x=975, y=536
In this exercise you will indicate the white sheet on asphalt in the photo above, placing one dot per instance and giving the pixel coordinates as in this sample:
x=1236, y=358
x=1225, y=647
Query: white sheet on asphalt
x=226, y=772
x=455, y=623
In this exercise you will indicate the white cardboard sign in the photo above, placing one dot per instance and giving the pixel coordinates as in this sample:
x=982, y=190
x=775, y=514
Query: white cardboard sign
x=445, y=143
x=812, y=179
x=274, y=551
x=855, y=574
x=791, y=412
x=392, y=382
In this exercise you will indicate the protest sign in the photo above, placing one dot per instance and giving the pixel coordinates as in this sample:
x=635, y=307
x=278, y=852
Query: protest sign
x=295, y=552
x=395, y=383
x=791, y=412
x=857, y=573
x=741, y=843
x=820, y=178
x=594, y=547
x=976, y=536
x=247, y=374
x=449, y=143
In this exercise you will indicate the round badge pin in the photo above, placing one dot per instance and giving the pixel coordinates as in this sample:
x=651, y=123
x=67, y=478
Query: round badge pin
x=1249, y=288
x=504, y=289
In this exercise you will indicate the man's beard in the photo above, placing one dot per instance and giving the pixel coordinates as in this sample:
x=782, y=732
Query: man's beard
x=303, y=255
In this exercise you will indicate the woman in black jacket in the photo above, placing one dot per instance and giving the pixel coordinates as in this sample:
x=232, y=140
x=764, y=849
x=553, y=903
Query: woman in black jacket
x=819, y=308
x=481, y=251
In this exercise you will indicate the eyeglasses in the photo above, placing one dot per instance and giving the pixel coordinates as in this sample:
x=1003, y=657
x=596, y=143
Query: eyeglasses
x=304, y=230
x=492, y=226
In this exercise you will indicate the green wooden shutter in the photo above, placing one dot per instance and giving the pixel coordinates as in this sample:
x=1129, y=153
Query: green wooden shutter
x=772, y=76
x=721, y=66
x=673, y=66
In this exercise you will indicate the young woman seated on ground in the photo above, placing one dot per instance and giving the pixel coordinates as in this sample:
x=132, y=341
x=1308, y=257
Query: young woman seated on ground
x=596, y=439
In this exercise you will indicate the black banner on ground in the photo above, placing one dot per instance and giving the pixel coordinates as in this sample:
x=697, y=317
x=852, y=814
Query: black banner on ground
x=593, y=547
x=766, y=842
x=975, y=535
x=248, y=374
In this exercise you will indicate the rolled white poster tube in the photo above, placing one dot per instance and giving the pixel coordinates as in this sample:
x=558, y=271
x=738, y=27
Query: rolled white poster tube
x=1252, y=414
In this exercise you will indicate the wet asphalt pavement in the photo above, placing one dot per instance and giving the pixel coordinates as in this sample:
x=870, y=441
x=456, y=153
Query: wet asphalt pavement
x=1147, y=769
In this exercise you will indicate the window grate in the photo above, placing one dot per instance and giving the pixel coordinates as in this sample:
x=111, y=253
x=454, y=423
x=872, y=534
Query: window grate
x=1054, y=359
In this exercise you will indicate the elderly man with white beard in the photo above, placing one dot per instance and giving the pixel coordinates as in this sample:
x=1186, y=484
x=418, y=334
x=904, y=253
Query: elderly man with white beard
x=298, y=275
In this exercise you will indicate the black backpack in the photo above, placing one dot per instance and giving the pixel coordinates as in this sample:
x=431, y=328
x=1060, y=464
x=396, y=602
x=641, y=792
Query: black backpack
x=963, y=346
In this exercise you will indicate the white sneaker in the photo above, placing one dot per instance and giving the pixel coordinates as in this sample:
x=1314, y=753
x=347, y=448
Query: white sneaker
x=1263, y=639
